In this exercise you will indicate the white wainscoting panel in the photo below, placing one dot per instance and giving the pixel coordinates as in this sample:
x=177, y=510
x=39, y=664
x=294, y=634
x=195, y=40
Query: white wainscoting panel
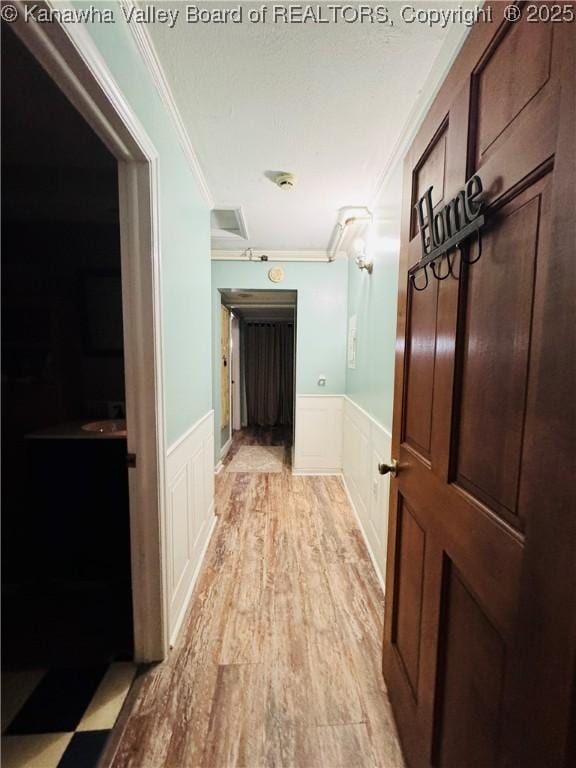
x=318, y=439
x=190, y=514
x=366, y=443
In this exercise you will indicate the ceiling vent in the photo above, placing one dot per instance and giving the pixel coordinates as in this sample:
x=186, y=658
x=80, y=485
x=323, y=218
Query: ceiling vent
x=228, y=223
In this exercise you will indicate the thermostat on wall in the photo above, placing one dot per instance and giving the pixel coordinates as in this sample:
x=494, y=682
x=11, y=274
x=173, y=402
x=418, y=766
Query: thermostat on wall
x=276, y=274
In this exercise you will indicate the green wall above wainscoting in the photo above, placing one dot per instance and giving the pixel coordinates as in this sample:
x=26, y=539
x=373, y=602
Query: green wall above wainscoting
x=327, y=293
x=184, y=232
x=373, y=300
x=321, y=318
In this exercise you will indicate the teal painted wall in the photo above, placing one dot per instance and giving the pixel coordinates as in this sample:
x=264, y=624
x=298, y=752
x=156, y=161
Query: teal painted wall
x=321, y=331
x=373, y=299
x=185, y=236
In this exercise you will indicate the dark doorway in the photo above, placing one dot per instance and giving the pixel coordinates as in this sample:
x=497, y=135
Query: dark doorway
x=262, y=352
x=269, y=372
x=66, y=587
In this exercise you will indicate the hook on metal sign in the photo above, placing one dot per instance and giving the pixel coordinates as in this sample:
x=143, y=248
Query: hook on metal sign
x=413, y=280
x=436, y=264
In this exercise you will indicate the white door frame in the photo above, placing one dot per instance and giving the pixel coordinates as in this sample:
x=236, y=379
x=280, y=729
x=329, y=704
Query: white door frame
x=235, y=374
x=69, y=55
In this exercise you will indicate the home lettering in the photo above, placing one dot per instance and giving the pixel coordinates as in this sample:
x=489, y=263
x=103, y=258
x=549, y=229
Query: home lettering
x=446, y=228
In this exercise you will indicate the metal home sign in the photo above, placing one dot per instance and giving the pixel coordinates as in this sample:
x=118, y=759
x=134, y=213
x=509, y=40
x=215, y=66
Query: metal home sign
x=451, y=225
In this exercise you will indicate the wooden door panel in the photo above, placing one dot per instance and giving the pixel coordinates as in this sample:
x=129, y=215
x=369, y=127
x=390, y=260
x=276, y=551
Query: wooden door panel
x=408, y=598
x=420, y=370
x=472, y=657
x=514, y=103
x=432, y=543
x=471, y=522
x=504, y=89
x=495, y=355
x=449, y=302
x=470, y=533
x=431, y=172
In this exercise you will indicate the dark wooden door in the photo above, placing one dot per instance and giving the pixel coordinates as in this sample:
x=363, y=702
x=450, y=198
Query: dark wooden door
x=480, y=625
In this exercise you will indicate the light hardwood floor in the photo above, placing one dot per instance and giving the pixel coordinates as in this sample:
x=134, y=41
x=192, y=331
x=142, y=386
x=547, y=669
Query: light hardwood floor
x=279, y=660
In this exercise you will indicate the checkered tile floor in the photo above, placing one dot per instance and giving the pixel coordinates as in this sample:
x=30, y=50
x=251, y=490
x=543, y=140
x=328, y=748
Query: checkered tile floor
x=61, y=718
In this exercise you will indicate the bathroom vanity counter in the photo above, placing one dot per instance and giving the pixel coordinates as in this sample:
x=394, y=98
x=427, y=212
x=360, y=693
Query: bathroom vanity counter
x=104, y=429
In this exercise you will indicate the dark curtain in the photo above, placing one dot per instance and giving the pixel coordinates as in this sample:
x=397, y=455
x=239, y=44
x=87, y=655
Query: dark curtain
x=269, y=373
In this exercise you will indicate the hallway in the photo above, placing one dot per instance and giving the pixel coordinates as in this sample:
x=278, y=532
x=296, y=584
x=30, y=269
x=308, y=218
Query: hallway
x=356, y=230
x=279, y=662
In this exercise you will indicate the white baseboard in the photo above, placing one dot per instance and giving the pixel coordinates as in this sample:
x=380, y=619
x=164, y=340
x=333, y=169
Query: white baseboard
x=218, y=468
x=225, y=448
x=366, y=540
x=314, y=471
x=189, y=514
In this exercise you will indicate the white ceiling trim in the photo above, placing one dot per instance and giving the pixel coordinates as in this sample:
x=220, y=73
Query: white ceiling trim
x=251, y=254
x=148, y=52
x=446, y=56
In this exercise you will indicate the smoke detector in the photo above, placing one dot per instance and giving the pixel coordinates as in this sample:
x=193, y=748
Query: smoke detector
x=285, y=180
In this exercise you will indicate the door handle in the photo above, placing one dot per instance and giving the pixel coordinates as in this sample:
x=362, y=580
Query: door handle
x=389, y=469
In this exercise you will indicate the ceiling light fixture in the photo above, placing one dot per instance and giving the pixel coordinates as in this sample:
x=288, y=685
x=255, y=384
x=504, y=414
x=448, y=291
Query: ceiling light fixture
x=361, y=260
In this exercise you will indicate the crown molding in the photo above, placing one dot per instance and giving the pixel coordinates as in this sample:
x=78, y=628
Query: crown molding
x=150, y=56
x=253, y=254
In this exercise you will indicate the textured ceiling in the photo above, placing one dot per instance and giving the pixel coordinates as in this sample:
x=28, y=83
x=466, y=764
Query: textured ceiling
x=325, y=101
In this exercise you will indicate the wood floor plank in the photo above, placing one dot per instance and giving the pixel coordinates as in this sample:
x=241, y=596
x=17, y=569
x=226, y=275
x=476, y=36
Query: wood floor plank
x=195, y=704
x=238, y=719
x=358, y=600
x=278, y=661
x=246, y=625
x=345, y=746
x=339, y=535
x=333, y=682
x=280, y=547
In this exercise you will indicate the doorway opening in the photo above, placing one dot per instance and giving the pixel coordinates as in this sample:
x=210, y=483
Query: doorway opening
x=66, y=580
x=257, y=367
